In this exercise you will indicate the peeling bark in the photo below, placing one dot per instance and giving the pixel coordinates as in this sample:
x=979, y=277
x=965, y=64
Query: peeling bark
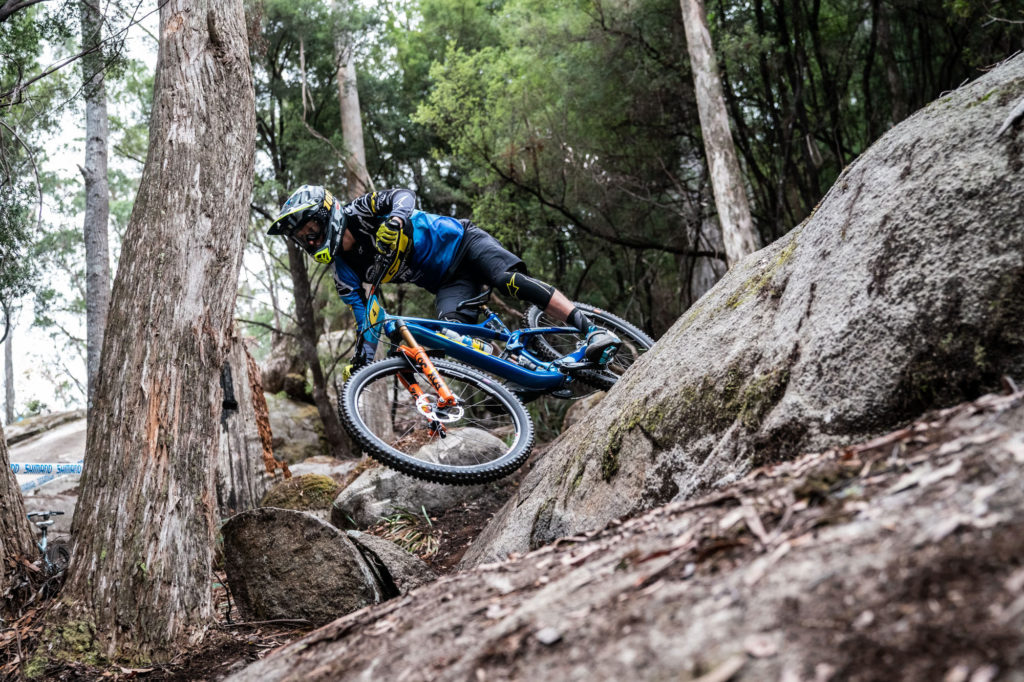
x=15, y=534
x=241, y=482
x=145, y=522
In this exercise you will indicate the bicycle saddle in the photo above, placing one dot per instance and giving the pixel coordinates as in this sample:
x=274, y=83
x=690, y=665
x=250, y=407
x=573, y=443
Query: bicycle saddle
x=477, y=301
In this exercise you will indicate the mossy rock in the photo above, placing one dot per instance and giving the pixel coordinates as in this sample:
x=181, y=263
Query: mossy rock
x=303, y=493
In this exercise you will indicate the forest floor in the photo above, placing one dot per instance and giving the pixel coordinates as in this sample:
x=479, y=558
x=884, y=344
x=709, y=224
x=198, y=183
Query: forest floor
x=232, y=643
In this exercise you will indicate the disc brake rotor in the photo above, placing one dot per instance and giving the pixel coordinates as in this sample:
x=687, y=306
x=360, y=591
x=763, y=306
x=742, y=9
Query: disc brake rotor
x=427, y=405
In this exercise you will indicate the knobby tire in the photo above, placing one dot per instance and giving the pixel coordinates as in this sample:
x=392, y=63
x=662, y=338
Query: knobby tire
x=374, y=393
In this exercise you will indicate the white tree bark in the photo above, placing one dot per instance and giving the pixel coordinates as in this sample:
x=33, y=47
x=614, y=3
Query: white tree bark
x=146, y=519
x=97, y=194
x=241, y=471
x=358, y=177
x=726, y=180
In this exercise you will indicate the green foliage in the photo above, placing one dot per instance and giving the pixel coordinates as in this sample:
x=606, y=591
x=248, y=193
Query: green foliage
x=25, y=116
x=580, y=135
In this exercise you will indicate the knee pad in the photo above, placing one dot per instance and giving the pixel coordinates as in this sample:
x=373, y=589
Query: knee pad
x=522, y=287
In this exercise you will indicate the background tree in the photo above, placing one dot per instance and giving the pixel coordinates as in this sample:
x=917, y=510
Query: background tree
x=356, y=176
x=97, y=192
x=26, y=117
x=299, y=137
x=139, y=576
x=726, y=180
x=8, y=368
x=809, y=86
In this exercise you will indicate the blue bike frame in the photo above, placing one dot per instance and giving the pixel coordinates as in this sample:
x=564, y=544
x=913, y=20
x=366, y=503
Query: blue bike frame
x=548, y=376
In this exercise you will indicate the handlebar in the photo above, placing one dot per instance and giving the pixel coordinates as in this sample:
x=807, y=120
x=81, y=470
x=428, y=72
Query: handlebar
x=45, y=514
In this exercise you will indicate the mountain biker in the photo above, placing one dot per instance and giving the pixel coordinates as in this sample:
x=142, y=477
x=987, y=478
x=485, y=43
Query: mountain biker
x=448, y=257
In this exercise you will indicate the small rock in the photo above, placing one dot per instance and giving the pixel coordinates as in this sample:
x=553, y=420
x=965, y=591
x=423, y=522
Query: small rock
x=548, y=636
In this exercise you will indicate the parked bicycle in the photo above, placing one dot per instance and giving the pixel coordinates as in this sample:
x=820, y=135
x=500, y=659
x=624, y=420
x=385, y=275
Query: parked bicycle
x=464, y=422
x=54, y=556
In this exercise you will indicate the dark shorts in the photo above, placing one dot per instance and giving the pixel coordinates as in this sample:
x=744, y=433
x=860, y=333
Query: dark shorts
x=481, y=261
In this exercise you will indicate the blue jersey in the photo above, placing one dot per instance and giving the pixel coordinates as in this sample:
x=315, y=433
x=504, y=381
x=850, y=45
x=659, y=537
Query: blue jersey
x=435, y=241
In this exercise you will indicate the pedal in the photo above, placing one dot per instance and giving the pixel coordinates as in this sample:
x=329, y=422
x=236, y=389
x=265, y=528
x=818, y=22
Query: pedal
x=607, y=355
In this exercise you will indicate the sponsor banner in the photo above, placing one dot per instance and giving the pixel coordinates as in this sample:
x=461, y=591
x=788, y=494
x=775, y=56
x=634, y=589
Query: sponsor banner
x=31, y=468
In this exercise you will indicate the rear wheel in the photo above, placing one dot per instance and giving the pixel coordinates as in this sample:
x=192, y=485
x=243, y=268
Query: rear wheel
x=486, y=436
x=551, y=346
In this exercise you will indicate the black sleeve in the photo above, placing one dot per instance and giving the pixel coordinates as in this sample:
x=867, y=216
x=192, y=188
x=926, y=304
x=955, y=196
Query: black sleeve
x=389, y=202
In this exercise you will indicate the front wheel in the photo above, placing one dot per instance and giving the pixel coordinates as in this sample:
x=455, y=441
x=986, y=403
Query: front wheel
x=552, y=346
x=58, y=555
x=485, y=436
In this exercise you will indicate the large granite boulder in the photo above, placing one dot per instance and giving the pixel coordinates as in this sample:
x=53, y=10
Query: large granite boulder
x=902, y=292
x=896, y=559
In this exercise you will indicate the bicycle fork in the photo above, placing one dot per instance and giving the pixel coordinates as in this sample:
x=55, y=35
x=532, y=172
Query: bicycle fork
x=445, y=407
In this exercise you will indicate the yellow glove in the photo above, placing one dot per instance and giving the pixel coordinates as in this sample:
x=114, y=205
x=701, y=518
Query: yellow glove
x=387, y=235
x=358, y=362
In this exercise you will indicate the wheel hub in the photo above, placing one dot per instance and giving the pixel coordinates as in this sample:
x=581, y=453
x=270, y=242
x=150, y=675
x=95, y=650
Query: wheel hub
x=427, y=405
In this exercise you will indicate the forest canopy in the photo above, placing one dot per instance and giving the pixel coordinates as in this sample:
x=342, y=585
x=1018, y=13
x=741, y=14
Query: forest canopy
x=567, y=128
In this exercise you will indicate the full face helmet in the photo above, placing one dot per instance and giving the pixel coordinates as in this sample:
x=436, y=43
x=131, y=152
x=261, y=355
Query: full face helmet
x=313, y=219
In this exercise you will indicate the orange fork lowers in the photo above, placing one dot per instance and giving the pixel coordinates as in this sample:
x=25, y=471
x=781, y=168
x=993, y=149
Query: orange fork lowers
x=419, y=356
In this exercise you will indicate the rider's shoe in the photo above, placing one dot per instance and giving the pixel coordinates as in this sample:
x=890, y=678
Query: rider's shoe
x=601, y=345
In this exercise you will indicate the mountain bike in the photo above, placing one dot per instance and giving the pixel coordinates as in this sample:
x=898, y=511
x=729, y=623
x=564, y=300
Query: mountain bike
x=462, y=420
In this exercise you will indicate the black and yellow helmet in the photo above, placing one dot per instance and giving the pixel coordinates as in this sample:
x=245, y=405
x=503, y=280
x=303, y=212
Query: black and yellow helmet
x=313, y=219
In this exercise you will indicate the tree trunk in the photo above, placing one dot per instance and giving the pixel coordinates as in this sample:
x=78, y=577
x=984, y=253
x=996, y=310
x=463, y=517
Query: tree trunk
x=139, y=579
x=898, y=94
x=240, y=463
x=15, y=533
x=9, y=373
x=305, y=317
x=97, y=195
x=726, y=181
x=351, y=121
